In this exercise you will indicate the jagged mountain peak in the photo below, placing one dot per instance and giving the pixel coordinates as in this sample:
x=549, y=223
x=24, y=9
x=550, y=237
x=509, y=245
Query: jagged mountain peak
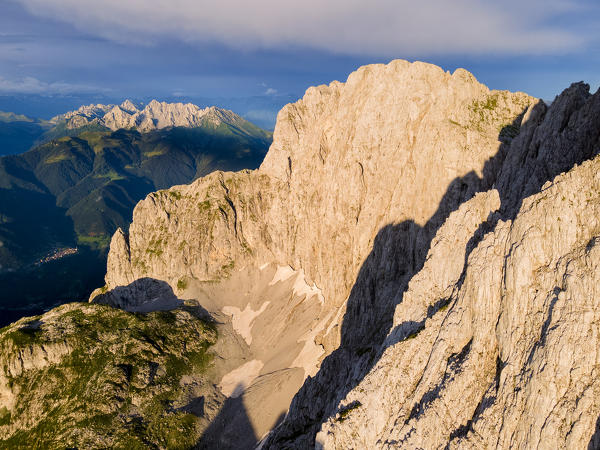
x=128, y=106
x=153, y=116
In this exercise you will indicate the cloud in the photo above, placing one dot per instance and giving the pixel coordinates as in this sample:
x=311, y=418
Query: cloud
x=270, y=91
x=380, y=27
x=31, y=85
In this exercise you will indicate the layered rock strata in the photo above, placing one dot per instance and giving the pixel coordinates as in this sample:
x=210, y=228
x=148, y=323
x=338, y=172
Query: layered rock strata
x=358, y=180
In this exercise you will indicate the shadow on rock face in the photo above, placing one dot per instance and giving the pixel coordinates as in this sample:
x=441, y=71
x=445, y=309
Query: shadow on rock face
x=232, y=428
x=146, y=295
x=552, y=141
x=398, y=253
x=595, y=440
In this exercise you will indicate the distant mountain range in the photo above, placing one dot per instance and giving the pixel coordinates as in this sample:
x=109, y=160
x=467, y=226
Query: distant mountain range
x=75, y=189
x=259, y=109
x=154, y=116
x=19, y=133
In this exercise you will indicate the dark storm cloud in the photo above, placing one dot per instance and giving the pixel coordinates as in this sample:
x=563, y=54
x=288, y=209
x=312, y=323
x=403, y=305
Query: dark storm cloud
x=190, y=49
x=378, y=28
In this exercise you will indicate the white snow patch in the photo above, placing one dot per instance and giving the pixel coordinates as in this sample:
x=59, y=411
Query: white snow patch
x=242, y=320
x=237, y=381
x=308, y=358
x=282, y=274
x=301, y=288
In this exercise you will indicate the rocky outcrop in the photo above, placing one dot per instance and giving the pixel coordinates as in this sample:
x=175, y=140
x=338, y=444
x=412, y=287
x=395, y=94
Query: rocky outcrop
x=417, y=252
x=514, y=339
x=358, y=180
x=497, y=351
x=91, y=376
x=154, y=116
x=490, y=342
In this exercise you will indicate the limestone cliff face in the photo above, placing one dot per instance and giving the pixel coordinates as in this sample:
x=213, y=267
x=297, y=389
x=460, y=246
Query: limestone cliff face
x=359, y=178
x=500, y=351
x=492, y=341
x=399, y=144
x=405, y=232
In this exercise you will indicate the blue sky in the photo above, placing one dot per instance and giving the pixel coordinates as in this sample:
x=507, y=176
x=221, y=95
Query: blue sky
x=269, y=52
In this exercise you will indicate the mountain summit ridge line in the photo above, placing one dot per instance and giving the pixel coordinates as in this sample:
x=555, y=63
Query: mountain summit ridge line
x=153, y=116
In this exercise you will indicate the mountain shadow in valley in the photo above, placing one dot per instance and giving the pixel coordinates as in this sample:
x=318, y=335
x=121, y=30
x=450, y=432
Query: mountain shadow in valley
x=35, y=290
x=19, y=133
x=546, y=146
x=231, y=428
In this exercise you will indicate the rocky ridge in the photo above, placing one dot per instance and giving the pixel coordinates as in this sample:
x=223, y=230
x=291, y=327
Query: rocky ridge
x=414, y=264
x=476, y=348
x=491, y=341
x=154, y=116
x=411, y=144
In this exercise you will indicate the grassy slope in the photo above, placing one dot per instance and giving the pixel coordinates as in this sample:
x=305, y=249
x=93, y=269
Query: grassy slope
x=114, y=379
